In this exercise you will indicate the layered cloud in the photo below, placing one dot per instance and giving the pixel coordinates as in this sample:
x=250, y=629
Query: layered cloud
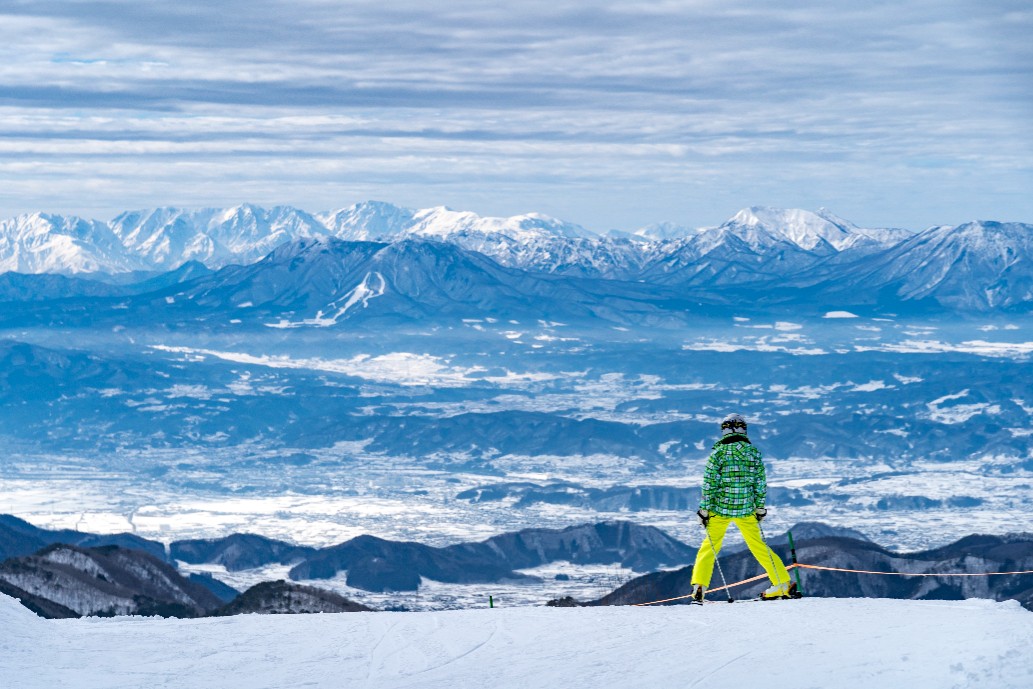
x=617, y=114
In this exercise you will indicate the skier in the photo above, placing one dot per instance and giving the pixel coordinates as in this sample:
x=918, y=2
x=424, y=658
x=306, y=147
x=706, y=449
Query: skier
x=734, y=490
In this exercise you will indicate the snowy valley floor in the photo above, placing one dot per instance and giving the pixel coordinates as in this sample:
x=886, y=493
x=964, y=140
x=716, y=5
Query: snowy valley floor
x=840, y=643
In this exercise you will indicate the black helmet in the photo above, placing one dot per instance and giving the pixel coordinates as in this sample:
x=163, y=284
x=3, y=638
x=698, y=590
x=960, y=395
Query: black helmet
x=733, y=424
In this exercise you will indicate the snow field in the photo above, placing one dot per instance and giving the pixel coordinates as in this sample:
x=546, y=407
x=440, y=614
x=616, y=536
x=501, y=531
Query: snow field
x=840, y=643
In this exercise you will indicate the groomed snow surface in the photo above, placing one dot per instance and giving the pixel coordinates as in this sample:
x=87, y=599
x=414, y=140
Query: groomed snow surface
x=837, y=643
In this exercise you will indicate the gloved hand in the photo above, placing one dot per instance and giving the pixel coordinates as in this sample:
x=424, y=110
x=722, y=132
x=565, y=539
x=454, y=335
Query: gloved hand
x=703, y=516
x=760, y=513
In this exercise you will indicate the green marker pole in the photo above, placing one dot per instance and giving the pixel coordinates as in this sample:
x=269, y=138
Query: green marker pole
x=491, y=601
x=796, y=570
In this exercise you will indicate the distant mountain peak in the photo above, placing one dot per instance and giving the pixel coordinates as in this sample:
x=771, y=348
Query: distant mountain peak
x=443, y=222
x=44, y=243
x=367, y=220
x=663, y=231
x=803, y=228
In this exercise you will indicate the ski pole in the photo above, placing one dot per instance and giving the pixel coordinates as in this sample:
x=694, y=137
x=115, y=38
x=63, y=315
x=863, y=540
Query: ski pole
x=771, y=555
x=718, y=563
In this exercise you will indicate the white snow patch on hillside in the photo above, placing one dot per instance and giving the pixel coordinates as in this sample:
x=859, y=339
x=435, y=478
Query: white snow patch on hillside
x=1022, y=405
x=978, y=347
x=907, y=380
x=403, y=368
x=842, y=643
x=371, y=287
x=200, y=392
x=759, y=345
x=840, y=314
x=870, y=386
x=899, y=432
x=958, y=413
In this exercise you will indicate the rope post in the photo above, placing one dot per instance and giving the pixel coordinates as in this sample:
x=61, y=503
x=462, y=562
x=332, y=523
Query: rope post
x=792, y=551
x=491, y=601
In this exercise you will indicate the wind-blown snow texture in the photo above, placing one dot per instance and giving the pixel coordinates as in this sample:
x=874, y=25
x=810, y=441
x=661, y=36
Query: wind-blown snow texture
x=806, y=643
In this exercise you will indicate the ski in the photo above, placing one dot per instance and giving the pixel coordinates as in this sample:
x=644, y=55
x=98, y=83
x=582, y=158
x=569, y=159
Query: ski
x=756, y=599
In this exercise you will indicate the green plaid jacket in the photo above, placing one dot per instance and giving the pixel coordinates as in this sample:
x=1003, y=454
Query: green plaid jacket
x=734, y=482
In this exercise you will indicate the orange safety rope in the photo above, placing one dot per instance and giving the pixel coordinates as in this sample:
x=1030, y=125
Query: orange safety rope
x=840, y=569
x=912, y=574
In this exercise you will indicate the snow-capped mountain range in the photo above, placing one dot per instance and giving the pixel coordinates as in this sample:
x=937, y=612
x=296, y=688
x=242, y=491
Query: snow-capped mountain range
x=974, y=266
x=165, y=238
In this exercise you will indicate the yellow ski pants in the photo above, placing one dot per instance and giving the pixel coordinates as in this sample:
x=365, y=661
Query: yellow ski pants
x=750, y=529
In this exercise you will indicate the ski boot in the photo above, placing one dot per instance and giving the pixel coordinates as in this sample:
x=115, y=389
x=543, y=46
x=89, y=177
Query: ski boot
x=781, y=592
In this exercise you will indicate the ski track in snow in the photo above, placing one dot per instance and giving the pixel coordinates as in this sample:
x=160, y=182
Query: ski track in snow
x=842, y=643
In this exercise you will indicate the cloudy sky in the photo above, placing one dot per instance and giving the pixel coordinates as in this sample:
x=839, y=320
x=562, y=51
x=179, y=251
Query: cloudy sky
x=611, y=114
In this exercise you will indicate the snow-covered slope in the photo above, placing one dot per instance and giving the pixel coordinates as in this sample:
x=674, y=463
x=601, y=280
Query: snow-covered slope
x=112, y=580
x=758, y=225
x=41, y=243
x=368, y=221
x=976, y=266
x=760, y=245
x=859, y=643
x=443, y=223
x=584, y=257
x=378, y=221
x=165, y=238
x=730, y=256
x=879, y=236
x=761, y=226
x=531, y=242
x=327, y=282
